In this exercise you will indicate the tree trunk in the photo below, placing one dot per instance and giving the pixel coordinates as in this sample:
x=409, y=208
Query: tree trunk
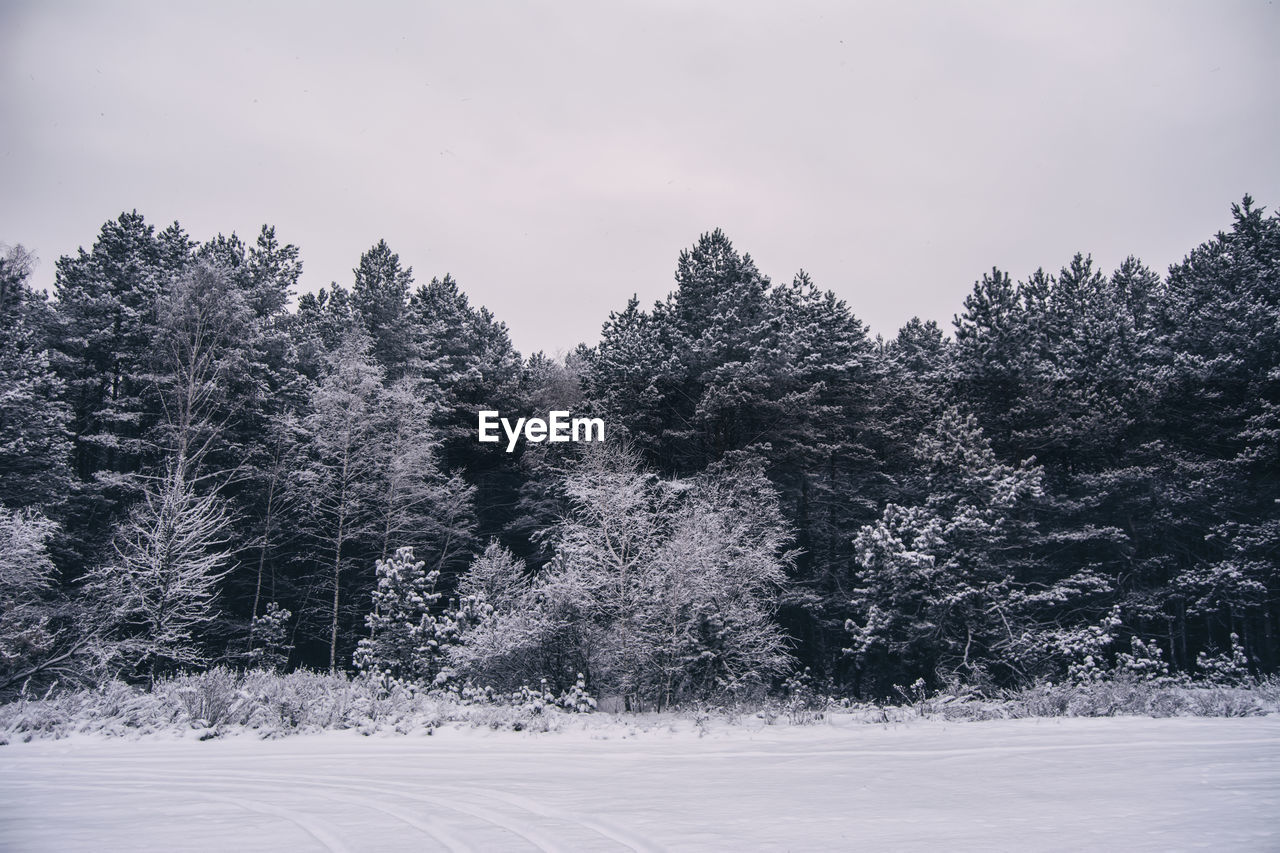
x=337, y=573
x=266, y=539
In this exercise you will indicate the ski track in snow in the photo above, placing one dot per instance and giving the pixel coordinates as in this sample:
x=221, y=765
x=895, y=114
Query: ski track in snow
x=1005, y=785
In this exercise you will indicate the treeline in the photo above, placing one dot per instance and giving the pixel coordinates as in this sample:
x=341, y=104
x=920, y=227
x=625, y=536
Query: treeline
x=1082, y=479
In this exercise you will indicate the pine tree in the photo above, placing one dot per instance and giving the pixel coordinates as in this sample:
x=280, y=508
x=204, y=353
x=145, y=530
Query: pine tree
x=106, y=301
x=380, y=297
x=269, y=645
x=467, y=354
x=105, y=307
x=729, y=363
x=403, y=646
x=1218, y=420
x=34, y=419
x=938, y=581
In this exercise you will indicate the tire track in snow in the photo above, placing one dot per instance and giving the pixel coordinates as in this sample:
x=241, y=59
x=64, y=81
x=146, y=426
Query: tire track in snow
x=236, y=781
x=430, y=829
x=600, y=827
x=519, y=828
x=318, y=829
x=314, y=827
x=326, y=835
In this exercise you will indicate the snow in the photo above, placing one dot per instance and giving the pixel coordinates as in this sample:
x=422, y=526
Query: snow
x=1047, y=784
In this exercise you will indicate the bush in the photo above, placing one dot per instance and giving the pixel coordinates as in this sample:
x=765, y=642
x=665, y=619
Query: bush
x=222, y=701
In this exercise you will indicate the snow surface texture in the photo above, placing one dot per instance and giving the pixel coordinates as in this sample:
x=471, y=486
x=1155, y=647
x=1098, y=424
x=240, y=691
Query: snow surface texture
x=1048, y=784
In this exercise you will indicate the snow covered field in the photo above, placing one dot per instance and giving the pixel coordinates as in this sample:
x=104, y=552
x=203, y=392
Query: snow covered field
x=1116, y=783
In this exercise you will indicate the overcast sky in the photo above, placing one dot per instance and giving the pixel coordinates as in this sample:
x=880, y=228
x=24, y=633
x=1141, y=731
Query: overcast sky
x=556, y=157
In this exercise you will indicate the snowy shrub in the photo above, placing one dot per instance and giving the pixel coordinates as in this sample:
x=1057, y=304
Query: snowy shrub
x=1229, y=667
x=269, y=638
x=268, y=704
x=1228, y=702
x=533, y=702
x=802, y=703
x=208, y=699
x=576, y=699
x=917, y=695
x=1143, y=661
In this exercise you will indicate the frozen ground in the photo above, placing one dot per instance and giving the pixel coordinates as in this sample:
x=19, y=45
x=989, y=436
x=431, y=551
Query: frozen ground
x=1118, y=783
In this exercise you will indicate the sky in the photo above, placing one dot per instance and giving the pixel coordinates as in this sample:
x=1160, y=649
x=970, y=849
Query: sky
x=556, y=157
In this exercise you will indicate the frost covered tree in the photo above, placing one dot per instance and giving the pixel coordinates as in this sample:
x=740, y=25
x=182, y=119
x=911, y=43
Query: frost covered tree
x=515, y=630
x=417, y=504
x=409, y=638
x=706, y=623
x=159, y=592
x=44, y=637
x=202, y=322
x=339, y=481
x=26, y=571
x=497, y=575
x=269, y=644
x=936, y=580
x=660, y=591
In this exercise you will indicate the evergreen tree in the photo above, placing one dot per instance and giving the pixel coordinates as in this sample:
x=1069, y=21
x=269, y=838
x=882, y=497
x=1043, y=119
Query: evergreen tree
x=1218, y=419
x=380, y=297
x=269, y=645
x=467, y=354
x=402, y=646
x=105, y=308
x=728, y=364
x=937, y=580
x=34, y=419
